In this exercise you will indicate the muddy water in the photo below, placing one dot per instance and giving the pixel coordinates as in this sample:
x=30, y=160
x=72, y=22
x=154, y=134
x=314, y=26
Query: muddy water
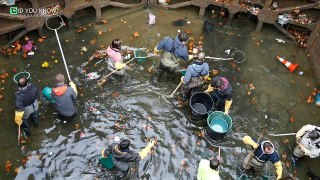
x=132, y=108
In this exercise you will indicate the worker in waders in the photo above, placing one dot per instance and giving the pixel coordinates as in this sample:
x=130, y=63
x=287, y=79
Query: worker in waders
x=26, y=102
x=264, y=151
x=308, y=140
x=115, y=58
x=193, y=77
x=122, y=156
x=64, y=97
x=172, y=52
x=220, y=90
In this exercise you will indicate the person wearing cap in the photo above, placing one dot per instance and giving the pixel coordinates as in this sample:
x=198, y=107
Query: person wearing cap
x=263, y=152
x=220, y=90
x=64, y=97
x=192, y=79
x=308, y=140
x=123, y=156
x=172, y=52
x=26, y=102
x=208, y=169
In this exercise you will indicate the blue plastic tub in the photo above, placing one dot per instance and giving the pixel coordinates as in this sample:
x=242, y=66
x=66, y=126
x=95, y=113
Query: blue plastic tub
x=219, y=125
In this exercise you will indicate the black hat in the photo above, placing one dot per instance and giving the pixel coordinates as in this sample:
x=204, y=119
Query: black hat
x=124, y=144
x=214, y=163
x=313, y=134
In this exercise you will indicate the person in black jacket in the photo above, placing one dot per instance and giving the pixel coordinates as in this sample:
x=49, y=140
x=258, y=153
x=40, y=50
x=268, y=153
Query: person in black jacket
x=123, y=156
x=26, y=102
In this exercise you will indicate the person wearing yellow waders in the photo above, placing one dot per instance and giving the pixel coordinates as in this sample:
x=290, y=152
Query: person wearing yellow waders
x=220, y=90
x=122, y=156
x=208, y=169
x=263, y=152
x=172, y=52
x=26, y=103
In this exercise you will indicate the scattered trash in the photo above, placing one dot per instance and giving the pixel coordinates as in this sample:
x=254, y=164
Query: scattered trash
x=8, y=166
x=227, y=51
x=30, y=53
x=300, y=73
x=45, y=64
x=84, y=49
x=151, y=19
x=93, y=75
x=280, y=41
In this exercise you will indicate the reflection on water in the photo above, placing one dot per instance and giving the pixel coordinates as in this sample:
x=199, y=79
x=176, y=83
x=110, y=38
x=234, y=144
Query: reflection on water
x=132, y=108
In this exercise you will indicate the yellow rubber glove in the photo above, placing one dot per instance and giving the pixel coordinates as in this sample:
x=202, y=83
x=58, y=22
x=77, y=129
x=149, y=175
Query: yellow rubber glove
x=18, y=117
x=247, y=140
x=120, y=65
x=190, y=57
x=73, y=86
x=227, y=106
x=209, y=89
x=156, y=50
x=206, y=78
x=278, y=166
x=144, y=152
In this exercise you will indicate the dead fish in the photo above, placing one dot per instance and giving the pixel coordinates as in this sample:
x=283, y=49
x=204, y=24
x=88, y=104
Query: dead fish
x=179, y=22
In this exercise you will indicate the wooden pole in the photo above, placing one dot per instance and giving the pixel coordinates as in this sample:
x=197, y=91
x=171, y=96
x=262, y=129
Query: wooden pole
x=287, y=134
x=171, y=95
x=19, y=134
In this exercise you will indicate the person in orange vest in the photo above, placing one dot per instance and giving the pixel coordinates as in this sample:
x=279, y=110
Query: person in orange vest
x=64, y=97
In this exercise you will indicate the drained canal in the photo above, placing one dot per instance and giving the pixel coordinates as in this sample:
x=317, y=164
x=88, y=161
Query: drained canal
x=135, y=109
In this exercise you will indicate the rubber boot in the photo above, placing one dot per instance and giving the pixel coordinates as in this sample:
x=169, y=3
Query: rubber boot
x=25, y=130
x=294, y=160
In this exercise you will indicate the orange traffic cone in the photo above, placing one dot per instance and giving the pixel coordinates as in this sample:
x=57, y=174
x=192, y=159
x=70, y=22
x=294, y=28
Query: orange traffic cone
x=288, y=64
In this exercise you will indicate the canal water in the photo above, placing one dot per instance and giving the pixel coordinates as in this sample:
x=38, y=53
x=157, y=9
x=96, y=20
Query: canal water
x=135, y=109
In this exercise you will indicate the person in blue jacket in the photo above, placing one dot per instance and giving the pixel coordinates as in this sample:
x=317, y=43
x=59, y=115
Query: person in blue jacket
x=263, y=152
x=193, y=79
x=173, y=51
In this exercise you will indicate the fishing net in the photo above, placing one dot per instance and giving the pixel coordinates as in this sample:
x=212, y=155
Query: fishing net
x=238, y=56
x=20, y=75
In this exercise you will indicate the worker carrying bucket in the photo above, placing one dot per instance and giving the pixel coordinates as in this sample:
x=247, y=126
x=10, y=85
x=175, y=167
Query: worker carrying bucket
x=288, y=64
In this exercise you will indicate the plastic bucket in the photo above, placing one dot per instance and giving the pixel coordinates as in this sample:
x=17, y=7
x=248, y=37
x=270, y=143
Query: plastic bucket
x=219, y=124
x=201, y=104
x=46, y=92
x=140, y=55
x=20, y=75
x=183, y=72
x=106, y=162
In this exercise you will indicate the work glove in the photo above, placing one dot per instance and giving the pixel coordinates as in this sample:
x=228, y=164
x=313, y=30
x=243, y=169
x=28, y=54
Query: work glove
x=209, y=89
x=247, y=140
x=182, y=80
x=144, y=152
x=156, y=50
x=73, y=86
x=298, y=139
x=18, y=117
x=206, y=78
x=190, y=57
x=120, y=65
x=227, y=106
x=278, y=166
